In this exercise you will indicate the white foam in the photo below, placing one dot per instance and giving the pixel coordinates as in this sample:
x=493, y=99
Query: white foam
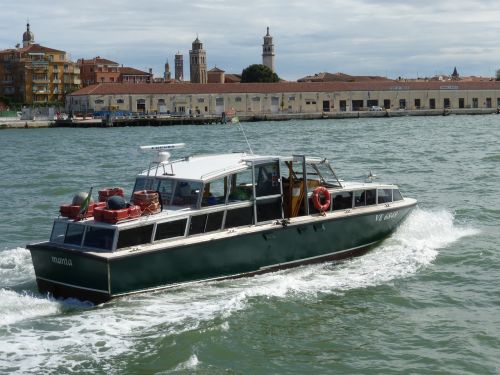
x=190, y=364
x=111, y=330
x=15, y=267
x=21, y=306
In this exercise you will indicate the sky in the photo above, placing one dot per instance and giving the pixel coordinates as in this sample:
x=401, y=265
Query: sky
x=391, y=38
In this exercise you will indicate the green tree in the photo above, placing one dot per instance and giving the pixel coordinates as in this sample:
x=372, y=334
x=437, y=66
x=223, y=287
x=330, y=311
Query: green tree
x=258, y=73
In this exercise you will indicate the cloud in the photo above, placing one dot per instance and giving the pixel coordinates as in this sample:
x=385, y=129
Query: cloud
x=385, y=37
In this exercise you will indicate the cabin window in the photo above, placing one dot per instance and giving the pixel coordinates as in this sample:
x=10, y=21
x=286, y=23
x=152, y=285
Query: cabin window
x=342, y=200
x=214, y=192
x=397, y=195
x=267, y=177
x=359, y=198
x=166, y=188
x=74, y=234
x=206, y=223
x=384, y=196
x=58, y=232
x=170, y=229
x=239, y=217
x=135, y=236
x=370, y=196
x=197, y=224
x=214, y=221
x=269, y=209
x=144, y=183
x=187, y=193
x=241, y=186
x=100, y=238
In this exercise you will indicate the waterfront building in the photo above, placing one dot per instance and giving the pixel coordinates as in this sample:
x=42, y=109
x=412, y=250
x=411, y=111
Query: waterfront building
x=197, y=63
x=179, y=67
x=268, y=51
x=216, y=75
x=288, y=97
x=34, y=74
x=132, y=75
x=98, y=70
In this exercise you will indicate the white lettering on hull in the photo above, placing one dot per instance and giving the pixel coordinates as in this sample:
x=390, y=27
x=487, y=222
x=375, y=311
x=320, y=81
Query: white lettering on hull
x=389, y=216
x=62, y=261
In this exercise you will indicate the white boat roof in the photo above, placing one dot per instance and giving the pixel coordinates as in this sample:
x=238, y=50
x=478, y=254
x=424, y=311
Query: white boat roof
x=208, y=167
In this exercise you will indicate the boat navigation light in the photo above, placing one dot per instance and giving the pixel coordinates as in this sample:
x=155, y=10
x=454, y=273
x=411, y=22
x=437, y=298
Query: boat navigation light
x=158, y=148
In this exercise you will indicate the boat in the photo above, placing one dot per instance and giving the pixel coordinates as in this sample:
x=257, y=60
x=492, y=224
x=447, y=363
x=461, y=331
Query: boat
x=212, y=217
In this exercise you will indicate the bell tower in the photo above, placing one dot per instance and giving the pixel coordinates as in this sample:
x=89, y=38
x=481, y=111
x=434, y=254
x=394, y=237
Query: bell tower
x=268, y=51
x=198, y=63
x=28, y=37
x=166, y=75
x=179, y=67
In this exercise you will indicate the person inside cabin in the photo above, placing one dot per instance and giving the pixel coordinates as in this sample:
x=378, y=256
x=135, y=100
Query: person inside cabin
x=208, y=198
x=186, y=193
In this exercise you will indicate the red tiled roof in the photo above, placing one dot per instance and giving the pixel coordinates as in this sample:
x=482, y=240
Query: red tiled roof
x=32, y=48
x=232, y=78
x=125, y=70
x=340, y=77
x=37, y=48
x=279, y=87
x=98, y=60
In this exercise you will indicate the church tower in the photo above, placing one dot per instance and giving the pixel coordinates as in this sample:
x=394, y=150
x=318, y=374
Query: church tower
x=166, y=75
x=198, y=63
x=28, y=37
x=268, y=51
x=179, y=67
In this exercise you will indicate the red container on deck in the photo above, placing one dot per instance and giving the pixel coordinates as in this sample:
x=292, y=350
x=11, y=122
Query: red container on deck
x=114, y=216
x=148, y=201
x=73, y=211
x=104, y=194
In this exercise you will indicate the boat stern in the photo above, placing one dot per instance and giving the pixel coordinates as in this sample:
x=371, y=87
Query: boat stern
x=65, y=273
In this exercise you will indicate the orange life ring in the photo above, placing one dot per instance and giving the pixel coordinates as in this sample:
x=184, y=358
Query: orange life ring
x=316, y=198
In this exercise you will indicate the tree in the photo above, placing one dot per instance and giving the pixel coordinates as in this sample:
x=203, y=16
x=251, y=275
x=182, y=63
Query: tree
x=258, y=73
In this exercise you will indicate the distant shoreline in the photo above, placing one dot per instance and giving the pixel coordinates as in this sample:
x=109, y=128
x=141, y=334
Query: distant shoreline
x=151, y=120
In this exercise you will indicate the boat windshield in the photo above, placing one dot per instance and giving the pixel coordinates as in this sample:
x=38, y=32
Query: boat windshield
x=326, y=174
x=173, y=193
x=179, y=193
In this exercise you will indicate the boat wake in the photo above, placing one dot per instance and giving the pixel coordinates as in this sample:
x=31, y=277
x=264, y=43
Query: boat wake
x=40, y=333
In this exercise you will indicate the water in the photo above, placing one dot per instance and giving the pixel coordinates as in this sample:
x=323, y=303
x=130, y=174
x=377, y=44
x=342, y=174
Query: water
x=425, y=301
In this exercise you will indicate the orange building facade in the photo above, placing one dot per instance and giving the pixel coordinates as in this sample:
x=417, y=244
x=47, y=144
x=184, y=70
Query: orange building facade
x=36, y=75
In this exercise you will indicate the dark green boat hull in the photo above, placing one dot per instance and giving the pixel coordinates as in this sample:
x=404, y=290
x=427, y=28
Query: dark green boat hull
x=73, y=273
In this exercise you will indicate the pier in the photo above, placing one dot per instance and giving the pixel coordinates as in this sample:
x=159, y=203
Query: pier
x=146, y=120
x=212, y=120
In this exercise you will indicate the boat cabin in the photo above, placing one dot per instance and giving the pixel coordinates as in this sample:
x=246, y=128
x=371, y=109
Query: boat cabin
x=204, y=194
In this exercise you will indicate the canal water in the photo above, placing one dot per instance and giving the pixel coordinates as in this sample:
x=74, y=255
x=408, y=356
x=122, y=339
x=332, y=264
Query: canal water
x=427, y=300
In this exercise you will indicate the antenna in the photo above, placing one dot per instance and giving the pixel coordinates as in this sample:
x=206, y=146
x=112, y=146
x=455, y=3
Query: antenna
x=236, y=120
x=165, y=147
